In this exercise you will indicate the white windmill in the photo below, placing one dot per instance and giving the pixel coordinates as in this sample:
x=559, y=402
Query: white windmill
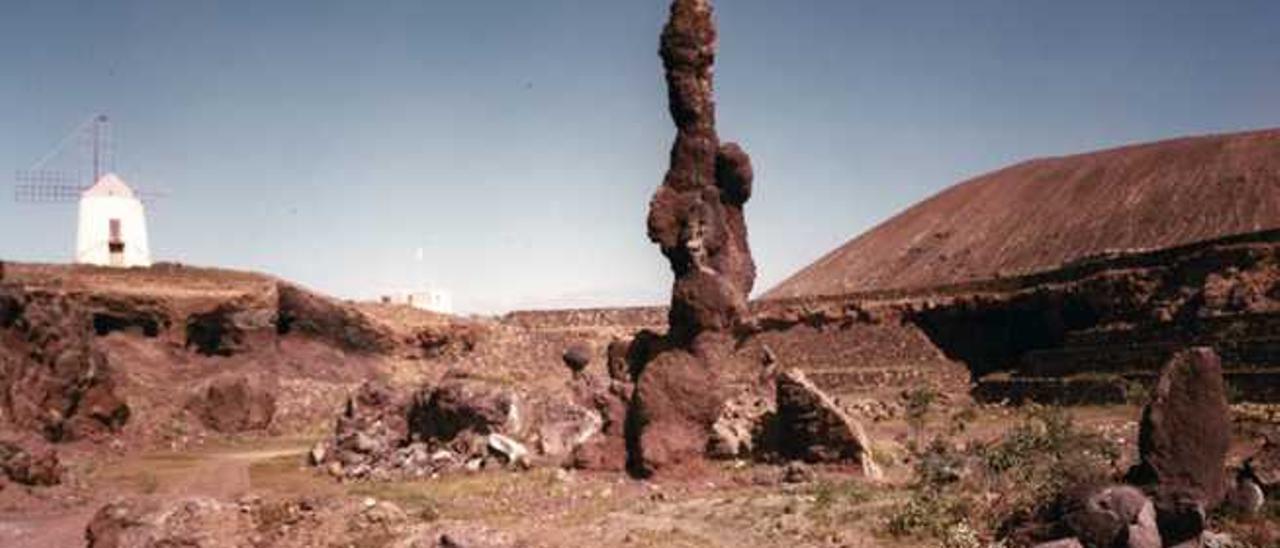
x=112, y=222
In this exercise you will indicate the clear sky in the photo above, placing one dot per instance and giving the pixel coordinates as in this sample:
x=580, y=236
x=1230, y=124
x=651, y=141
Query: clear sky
x=517, y=142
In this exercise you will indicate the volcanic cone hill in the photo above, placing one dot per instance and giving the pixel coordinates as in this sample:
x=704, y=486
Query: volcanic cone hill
x=1040, y=214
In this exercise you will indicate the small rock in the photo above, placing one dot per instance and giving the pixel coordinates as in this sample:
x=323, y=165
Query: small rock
x=1245, y=497
x=578, y=356
x=318, y=453
x=1181, y=515
x=513, y=451
x=798, y=472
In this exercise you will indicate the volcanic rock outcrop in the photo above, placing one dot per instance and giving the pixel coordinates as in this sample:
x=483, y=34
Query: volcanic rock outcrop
x=696, y=219
x=1186, y=429
x=1183, y=441
x=236, y=403
x=28, y=466
x=814, y=428
x=52, y=379
x=459, y=423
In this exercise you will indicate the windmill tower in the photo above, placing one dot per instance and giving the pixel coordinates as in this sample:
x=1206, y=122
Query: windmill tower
x=112, y=221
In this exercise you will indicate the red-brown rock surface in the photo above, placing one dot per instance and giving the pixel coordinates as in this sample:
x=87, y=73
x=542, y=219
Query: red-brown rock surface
x=1186, y=429
x=696, y=218
x=236, y=403
x=52, y=379
x=1042, y=213
x=814, y=428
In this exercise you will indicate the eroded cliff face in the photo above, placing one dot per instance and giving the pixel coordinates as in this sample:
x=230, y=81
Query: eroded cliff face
x=55, y=381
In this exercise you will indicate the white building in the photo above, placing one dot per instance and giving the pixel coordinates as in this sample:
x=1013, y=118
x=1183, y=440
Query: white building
x=113, y=226
x=434, y=300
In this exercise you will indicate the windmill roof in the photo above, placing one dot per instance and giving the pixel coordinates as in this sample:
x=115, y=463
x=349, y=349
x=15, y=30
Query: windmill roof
x=109, y=185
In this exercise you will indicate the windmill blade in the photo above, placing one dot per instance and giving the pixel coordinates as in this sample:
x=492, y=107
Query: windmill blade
x=46, y=193
x=150, y=196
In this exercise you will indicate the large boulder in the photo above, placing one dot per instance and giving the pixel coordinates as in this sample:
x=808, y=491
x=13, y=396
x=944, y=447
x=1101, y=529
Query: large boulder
x=676, y=401
x=1113, y=515
x=578, y=356
x=202, y=522
x=1186, y=428
x=812, y=427
x=464, y=404
x=236, y=403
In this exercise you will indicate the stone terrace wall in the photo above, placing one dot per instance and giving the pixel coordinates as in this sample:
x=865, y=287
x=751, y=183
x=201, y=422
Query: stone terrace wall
x=640, y=317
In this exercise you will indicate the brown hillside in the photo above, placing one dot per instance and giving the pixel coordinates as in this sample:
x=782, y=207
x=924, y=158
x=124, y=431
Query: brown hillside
x=1042, y=213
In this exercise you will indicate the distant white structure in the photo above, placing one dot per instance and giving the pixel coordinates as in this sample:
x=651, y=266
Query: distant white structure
x=113, y=226
x=434, y=300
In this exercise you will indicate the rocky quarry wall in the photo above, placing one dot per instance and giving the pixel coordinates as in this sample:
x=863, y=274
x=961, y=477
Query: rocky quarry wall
x=1095, y=331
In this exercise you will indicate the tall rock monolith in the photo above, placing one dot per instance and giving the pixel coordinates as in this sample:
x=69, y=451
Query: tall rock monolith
x=696, y=219
x=1183, y=441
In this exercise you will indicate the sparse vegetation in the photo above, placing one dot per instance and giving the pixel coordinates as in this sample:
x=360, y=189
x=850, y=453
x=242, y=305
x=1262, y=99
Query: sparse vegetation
x=966, y=497
x=919, y=401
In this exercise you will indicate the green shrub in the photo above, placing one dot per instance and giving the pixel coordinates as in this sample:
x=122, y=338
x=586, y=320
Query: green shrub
x=1031, y=466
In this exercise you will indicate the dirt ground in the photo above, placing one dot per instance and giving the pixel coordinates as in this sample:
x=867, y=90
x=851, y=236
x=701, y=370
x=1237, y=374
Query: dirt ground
x=732, y=504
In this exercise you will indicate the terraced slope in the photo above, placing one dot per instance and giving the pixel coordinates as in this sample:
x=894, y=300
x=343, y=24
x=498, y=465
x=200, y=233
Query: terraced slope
x=1043, y=213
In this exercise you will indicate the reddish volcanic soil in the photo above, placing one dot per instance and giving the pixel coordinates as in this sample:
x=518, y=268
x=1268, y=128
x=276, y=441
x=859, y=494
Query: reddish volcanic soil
x=1042, y=213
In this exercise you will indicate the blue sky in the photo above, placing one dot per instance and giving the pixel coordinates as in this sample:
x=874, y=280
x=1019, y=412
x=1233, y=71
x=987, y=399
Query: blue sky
x=517, y=142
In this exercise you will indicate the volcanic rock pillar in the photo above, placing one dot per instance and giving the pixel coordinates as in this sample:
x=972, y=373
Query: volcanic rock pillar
x=696, y=218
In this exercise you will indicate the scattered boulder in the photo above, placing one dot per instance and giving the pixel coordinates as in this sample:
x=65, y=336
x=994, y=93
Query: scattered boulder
x=236, y=403
x=512, y=452
x=465, y=535
x=1245, y=496
x=814, y=428
x=578, y=356
x=1264, y=467
x=742, y=427
x=1180, y=514
x=1186, y=428
x=1115, y=515
x=564, y=426
x=370, y=426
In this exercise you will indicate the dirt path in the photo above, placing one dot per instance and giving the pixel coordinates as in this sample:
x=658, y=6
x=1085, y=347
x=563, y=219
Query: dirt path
x=219, y=474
